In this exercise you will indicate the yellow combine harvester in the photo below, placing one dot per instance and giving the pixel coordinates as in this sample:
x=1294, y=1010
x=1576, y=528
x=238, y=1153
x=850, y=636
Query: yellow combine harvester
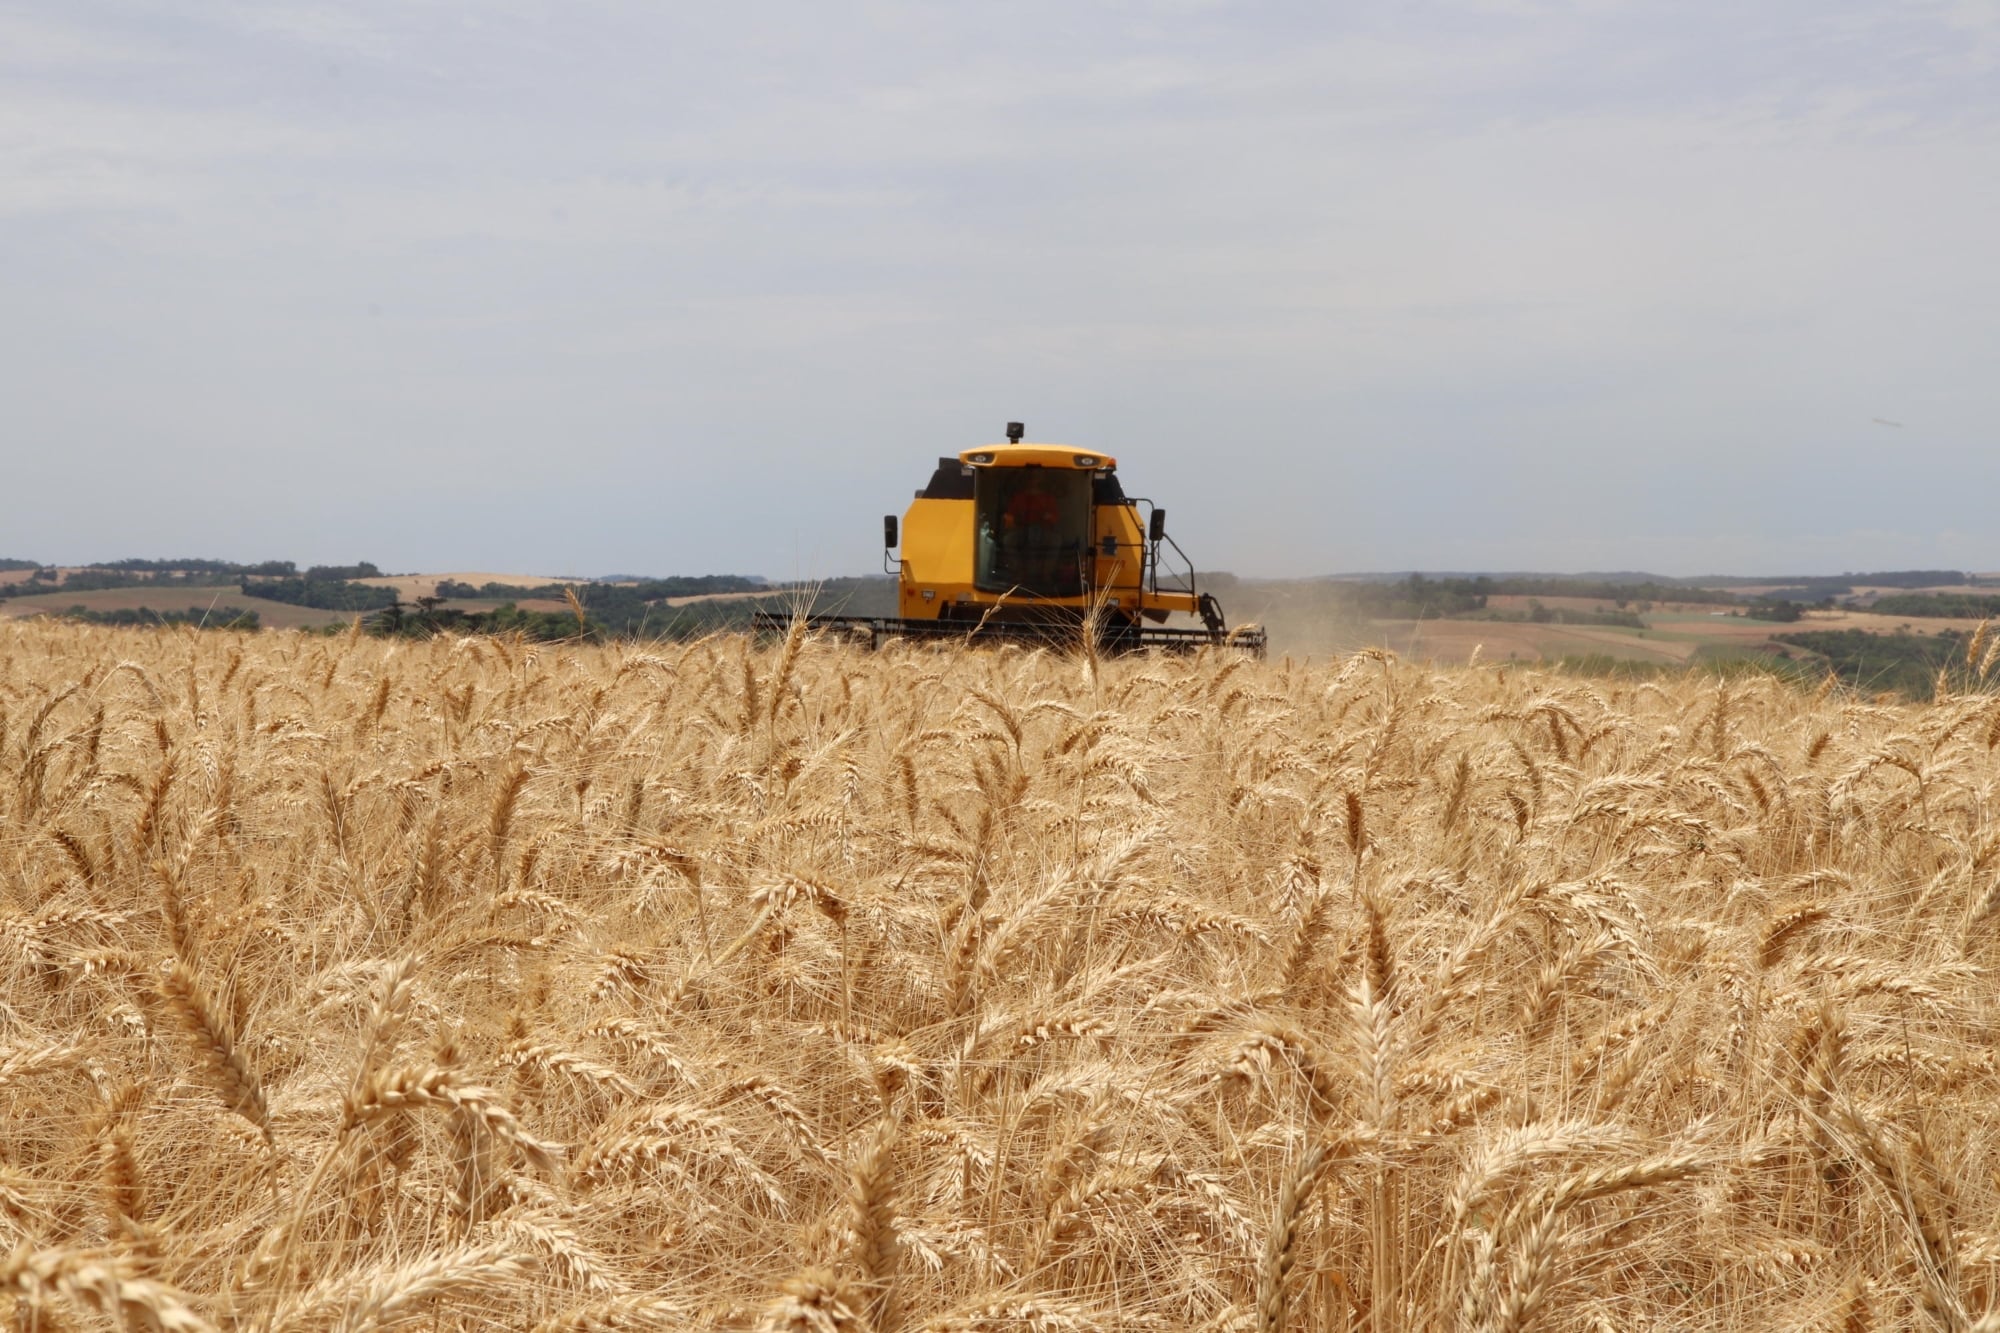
x=1033, y=542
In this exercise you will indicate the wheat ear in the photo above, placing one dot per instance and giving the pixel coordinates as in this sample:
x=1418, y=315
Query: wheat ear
x=388, y=1293
x=814, y=1301
x=384, y=1093
x=871, y=1245
x=215, y=1049
x=616, y=1313
x=100, y=1286
x=1281, y=1243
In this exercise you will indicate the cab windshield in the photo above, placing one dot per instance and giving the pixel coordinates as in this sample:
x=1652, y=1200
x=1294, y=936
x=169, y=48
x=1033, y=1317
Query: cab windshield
x=1034, y=530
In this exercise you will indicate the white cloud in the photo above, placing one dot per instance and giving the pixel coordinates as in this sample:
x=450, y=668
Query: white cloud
x=1408, y=257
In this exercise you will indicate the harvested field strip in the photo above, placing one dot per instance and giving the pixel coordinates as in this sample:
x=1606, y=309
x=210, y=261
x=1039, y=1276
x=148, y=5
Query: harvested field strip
x=1455, y=641
x=276, y=615
x=467, y=984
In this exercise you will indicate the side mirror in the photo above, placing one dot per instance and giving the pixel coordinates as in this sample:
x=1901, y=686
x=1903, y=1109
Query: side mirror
x=1159, y=525
x=888, y=531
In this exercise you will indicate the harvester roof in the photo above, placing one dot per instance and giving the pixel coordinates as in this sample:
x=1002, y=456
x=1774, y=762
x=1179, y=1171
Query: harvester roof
x=1036, y=455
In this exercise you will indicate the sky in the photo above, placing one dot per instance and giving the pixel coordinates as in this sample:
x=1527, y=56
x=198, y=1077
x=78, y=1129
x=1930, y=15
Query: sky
x=588, y=288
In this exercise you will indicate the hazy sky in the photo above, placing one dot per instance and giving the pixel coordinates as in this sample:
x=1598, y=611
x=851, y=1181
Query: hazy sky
x=586, y=287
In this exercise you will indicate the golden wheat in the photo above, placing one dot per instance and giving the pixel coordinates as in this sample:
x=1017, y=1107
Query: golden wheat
x=472, y=983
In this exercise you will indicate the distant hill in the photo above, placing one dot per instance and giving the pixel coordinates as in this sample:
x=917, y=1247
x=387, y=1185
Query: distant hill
x=667, y=578
x=1400, y=575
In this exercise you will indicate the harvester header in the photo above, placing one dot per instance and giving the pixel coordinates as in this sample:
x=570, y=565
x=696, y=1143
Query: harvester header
x=1039, y=542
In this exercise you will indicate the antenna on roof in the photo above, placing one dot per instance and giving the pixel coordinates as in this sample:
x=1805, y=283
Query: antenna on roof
x=1015, y=430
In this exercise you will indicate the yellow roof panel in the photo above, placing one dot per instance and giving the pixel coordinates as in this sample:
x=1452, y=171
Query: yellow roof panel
x=1036, y=455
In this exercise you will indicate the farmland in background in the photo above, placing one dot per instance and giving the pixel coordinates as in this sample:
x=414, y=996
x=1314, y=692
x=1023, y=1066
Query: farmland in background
x=1613, y=623
x=466, y=983
x=1667, y=627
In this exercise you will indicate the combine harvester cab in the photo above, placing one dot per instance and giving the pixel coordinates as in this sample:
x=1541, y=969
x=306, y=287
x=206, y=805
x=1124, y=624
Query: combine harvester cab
x=1031, y=542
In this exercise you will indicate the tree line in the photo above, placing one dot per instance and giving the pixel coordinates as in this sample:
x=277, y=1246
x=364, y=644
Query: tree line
x=645, y=590
x=1946, y=605
x=320, y=594
x=201, y=617
x=188, y=573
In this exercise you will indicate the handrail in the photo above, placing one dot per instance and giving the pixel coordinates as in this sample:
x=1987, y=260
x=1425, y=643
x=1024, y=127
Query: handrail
x=1184, y=561
x=1149, y=552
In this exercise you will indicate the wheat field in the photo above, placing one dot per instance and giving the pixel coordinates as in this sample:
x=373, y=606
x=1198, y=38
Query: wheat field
x=467, y=984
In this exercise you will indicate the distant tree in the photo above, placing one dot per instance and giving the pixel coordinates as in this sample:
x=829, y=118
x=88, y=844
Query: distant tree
x=1782, y=612
x=342, y=573
x=321, y=594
